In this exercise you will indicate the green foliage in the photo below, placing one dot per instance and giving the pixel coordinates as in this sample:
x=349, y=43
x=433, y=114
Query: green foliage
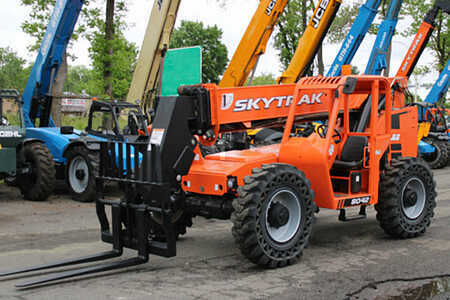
x=290, y=28
x=79, y=79
x=123, y=63
x=343, y=21
x=13, y=73
x=91, y=26
x=264, y=79
x=439, y=42
x=214, y=52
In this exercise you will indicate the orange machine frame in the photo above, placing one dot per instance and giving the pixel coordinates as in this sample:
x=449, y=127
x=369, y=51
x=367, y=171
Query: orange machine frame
x=314, y=155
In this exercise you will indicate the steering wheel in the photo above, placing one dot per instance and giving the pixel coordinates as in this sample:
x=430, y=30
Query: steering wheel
x=322, y=132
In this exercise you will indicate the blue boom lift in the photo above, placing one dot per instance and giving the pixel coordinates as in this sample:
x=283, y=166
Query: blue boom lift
x=75, y=153
x=377, y=61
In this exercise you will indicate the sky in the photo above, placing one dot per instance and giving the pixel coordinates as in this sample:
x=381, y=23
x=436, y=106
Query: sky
x=232, y=19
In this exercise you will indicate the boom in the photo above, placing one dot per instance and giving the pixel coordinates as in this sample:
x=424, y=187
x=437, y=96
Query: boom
x=377, y=61
x=37, y=98
x=310, y=42
x=421, y=39
x=440, y=87
x=354, y=38
x=159, y=29
x=253, y=43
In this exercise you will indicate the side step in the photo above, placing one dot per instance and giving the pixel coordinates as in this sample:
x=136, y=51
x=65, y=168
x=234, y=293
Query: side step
x=361, y=215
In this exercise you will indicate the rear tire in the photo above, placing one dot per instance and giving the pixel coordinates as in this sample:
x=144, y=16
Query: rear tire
x=407, y=198
x=39, y=183
x=439, y=158
x=81, y=170
x=273, y=215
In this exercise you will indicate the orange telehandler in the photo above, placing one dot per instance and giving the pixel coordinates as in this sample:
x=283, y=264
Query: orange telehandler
x=269, y=192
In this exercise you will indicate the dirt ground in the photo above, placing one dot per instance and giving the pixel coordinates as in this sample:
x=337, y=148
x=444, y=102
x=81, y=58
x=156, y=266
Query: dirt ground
x=353, y=260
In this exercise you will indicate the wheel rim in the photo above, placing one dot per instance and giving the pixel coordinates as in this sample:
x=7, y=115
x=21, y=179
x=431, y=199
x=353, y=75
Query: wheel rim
x=78, y=174
x=290, y=202
x=413, y=198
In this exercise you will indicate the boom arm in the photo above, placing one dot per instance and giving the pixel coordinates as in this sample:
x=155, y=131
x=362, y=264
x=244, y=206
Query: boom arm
x=312, y=38
x=253, y=43
x=159, y=29
x=354, y=38
x=377, y=61
x=440, y=87
x=421, y=39
x=37, y=98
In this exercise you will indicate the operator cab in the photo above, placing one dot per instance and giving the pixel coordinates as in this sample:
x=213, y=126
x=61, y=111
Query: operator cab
x=117, y=120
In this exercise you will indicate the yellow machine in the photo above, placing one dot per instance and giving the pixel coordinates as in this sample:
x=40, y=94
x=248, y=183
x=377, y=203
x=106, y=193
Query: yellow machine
x=312, y=38
x=159, y=29
x=253, y=43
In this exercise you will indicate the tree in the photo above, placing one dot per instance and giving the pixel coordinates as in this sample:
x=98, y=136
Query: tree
x=121, y=66
x=13, y=73
x=290, y=28
x=214, y=52
x=439, y=42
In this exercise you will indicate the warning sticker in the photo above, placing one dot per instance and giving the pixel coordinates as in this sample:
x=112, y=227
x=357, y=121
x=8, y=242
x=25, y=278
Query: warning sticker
x=157, y=136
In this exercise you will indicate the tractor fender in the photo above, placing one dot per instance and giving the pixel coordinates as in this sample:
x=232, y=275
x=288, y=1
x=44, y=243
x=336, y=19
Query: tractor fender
x=90, y=145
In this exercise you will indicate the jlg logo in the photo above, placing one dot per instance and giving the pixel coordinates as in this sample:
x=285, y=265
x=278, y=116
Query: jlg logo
x=265, y=103
x=319, y=13
x=270, y=7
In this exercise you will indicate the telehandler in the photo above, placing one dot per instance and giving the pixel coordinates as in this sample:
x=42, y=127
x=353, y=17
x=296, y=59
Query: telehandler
x=271, y=192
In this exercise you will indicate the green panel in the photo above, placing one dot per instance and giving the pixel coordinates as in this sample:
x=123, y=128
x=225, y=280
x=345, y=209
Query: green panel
x=7, y=160
x=181, y=67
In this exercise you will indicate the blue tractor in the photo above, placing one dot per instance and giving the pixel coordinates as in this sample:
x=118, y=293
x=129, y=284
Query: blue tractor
x=75, y=152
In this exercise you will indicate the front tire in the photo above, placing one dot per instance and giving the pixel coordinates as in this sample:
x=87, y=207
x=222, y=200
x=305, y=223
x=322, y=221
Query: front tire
x=39, y=183
x=439, y=158
x=407, y=198
x=273, y=215
x=81, y=169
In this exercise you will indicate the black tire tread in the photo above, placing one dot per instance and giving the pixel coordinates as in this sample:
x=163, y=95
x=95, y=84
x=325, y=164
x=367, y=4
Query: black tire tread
x=443, y=153
x=46, y=177
x=93, y=161
x=244, y=216
x=388, y=209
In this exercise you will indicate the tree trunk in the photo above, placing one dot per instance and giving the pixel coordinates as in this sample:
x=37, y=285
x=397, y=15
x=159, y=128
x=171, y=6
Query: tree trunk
x=320, y=61
x=58, y=89
x=109, y=36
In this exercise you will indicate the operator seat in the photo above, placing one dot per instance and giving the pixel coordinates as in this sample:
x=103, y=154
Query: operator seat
x=352, y=153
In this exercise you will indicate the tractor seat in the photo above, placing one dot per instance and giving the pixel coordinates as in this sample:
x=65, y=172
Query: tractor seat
x=352, y=153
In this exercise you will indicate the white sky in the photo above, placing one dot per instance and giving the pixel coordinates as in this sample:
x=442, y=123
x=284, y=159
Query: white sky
x=232, y=19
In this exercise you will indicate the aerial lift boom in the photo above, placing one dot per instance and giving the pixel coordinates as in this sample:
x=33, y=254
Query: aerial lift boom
x=377, y=60
x=440, y=87
x=354, y=38
x=253, y=43
x=37, y=98
x=159, y=29
x=421, y=39
x=310, y=42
